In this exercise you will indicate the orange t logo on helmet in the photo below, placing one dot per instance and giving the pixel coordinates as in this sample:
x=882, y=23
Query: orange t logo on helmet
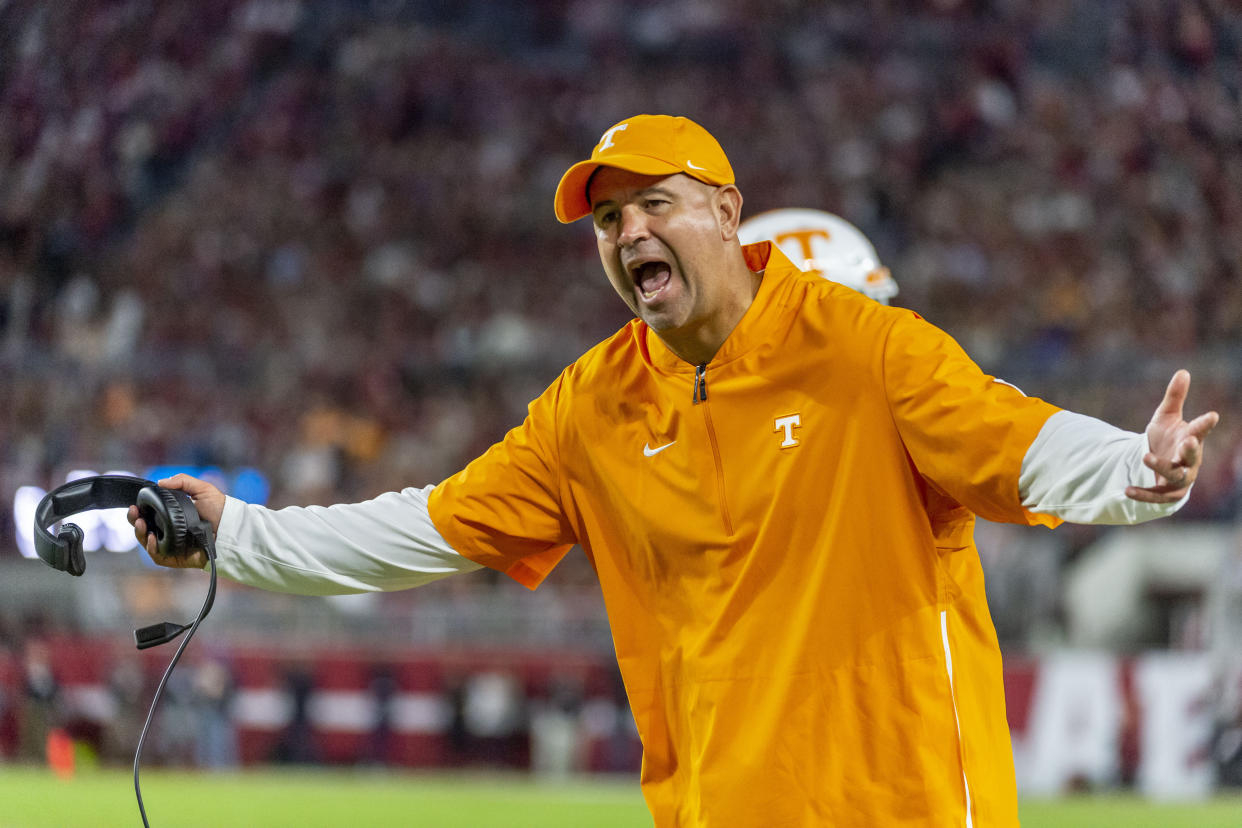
x=803, y=239
x=647, y=145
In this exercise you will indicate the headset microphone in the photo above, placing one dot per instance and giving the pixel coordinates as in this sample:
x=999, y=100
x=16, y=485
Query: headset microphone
x=174, y=520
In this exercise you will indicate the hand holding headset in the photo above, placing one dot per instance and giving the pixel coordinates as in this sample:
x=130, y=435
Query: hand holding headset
x=174, y=520
x=169, y=513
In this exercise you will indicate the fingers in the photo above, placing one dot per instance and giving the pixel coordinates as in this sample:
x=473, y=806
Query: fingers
x=1181, y=469
x=193, y=560
x=1186, y=454
x=1170, y=468
x=147, y=540
x=140, y=525
x=1202, y=425
x=1189, y=451
x=192, y=486
x=143, y=534
x=208, y=499
x=152, y=547
x=1177, y=445
x=1156, y=494
x=1174, y=395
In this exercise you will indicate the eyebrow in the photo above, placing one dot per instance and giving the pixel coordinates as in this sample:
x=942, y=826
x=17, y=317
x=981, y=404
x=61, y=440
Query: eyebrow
x=654, y=189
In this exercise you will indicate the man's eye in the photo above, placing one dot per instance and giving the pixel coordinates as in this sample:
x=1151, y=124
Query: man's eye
x=656, y=203
x=606, y=218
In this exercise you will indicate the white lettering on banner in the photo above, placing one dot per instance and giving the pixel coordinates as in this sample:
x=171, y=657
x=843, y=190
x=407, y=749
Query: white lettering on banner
x=1175, y=690
x=1074, y=725
x=789, y=423
x=1075, y=717
x=271, y=709
x=94, y=702
x=421, y=713
x=346, y=711
x=606, y=141
x=263, y=708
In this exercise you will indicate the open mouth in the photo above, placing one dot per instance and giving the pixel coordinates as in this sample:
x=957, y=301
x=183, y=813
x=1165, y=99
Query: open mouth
x=651, y=278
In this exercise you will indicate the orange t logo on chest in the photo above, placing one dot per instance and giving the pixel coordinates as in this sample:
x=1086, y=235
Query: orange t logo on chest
x=788, y=424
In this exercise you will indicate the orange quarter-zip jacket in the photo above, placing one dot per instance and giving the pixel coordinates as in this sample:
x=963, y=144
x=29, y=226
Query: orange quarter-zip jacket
x=784, y=545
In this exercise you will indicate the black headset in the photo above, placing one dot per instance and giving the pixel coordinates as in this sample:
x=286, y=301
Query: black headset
x=169, y=513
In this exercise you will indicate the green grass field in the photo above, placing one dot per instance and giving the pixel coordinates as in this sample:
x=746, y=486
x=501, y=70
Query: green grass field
x=33, y=798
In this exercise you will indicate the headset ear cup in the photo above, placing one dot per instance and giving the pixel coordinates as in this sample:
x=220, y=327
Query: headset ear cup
x=165, y=517
x=71, y=536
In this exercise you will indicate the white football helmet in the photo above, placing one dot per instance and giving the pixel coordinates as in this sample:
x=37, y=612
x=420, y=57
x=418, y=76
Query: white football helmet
x=826, y=244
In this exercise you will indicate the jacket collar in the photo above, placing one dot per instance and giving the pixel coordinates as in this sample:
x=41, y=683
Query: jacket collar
x=762, y=257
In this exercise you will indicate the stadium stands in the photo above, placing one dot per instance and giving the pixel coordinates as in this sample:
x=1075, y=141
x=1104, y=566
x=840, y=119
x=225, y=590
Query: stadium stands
x=317, y=238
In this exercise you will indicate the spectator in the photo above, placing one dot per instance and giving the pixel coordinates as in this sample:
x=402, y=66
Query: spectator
x=213, y=692
x=40, y=700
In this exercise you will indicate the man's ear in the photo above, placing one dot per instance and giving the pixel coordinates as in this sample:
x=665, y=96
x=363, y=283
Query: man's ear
x=728, y=205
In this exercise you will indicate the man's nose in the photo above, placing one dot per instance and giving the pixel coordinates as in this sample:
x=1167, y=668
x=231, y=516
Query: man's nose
x=633, y=225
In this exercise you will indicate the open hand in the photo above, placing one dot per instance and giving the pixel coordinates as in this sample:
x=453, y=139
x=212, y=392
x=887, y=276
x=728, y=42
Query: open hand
x=1175, y=447
x=208, y=500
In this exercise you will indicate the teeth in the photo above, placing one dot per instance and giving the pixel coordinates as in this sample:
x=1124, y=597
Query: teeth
x=644, y=272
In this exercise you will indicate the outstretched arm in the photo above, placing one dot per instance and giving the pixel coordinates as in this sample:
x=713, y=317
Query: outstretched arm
x=382, y=544
x=1084, y=470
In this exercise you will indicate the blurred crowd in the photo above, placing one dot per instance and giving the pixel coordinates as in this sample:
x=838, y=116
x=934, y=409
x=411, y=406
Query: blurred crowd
x=317, y=237
x=554, y=714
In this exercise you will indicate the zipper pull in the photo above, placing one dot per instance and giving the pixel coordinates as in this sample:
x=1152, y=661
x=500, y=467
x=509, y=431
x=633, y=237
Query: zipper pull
x=700, y=383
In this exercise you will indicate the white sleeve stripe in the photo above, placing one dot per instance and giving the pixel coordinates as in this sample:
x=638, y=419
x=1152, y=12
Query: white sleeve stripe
x=1010, y=384
x=1078, y=467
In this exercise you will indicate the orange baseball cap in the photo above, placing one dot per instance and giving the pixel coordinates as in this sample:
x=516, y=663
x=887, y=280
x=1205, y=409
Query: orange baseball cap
x=647, y=145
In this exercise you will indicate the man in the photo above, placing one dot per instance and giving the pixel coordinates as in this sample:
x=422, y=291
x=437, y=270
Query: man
x=774, y=478
x=824, y=244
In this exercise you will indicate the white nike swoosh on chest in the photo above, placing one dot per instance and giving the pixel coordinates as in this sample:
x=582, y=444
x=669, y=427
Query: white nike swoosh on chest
x=648, y=451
